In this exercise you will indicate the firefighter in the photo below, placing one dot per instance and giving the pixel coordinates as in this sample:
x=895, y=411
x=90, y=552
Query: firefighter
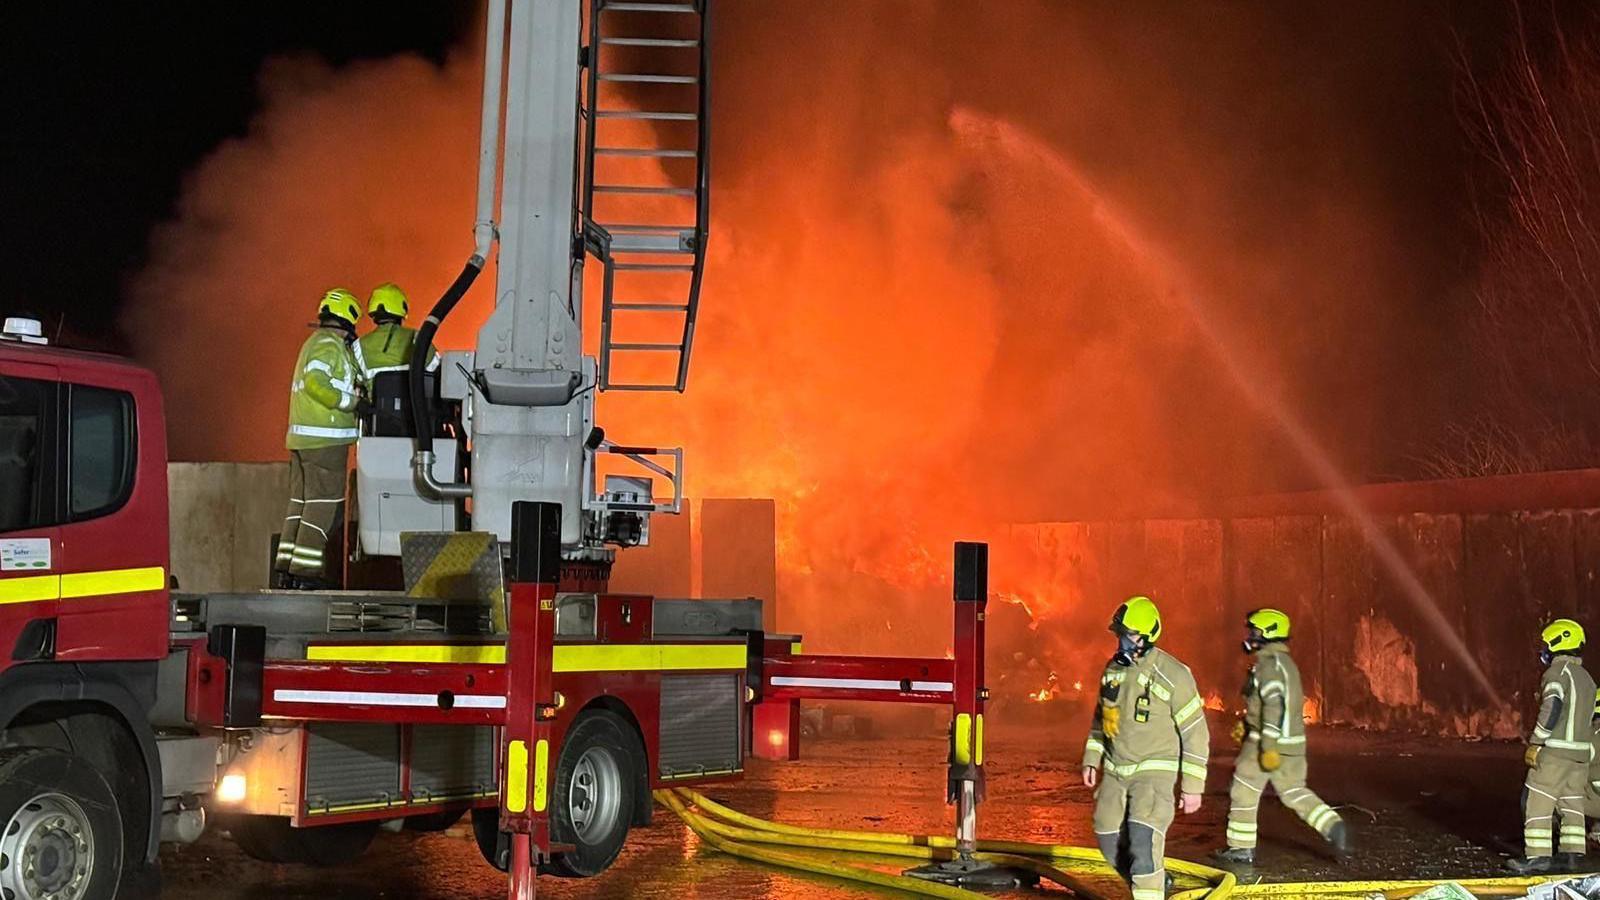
x=327, y=389
x=1272, y=744
x=387, y=347
x=1558, y=755
x=1148, y=740
x=1591, y=791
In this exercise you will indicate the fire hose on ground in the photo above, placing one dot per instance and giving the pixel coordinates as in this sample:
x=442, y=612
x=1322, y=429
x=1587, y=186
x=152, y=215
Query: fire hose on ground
x=836, y=853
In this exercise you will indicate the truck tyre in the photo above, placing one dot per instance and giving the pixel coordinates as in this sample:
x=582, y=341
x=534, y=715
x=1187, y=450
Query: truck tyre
x=494, y=844
x=593, y=800
x=272, y=839
x=60, y=828
x=439, y=821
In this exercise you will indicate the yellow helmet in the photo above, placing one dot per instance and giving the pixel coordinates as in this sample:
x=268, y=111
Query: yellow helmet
x=1272, y=623
x=341, y=304
x=1138, y=616
x=1563, y=636
x=388, y=298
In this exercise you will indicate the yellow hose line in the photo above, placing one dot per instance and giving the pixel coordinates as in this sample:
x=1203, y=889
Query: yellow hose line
x=1220, y=882
x=1308, y=888
x=908, y=851
x=742, y=829
x=800, y=863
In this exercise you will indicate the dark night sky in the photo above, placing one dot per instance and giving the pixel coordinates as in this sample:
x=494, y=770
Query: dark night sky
x=107, y=105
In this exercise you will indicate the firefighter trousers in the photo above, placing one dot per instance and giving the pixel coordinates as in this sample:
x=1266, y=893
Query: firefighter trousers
x=1131, y=817
x=316, y=498
x=1554, y=790
x=1288, y=781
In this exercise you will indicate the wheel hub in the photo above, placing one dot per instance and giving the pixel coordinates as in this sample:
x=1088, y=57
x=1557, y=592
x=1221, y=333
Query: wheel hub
x=46, y=851
x=594, y=798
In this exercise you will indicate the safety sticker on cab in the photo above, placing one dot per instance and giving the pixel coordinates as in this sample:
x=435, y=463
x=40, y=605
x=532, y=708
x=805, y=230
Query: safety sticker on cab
x=25, y=555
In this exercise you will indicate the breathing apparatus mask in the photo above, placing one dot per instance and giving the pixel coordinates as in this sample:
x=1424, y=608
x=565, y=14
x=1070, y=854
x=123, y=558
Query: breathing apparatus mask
x=1254, y=640
x=1130, y=646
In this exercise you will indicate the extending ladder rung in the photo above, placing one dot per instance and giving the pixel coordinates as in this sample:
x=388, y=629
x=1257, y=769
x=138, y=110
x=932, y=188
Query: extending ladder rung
x=631, y=151
x=650, y=115
x=652, y=307
x=649, y=42
x=652, y=267
x=643, y=387
x=649, y=348
x=620, y=228
x=652, y=7
x=640, y=78
x=652, y=242
x=643, y=189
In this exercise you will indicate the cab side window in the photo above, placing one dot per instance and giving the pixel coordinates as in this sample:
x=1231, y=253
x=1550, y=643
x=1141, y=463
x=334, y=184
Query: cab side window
x=101, y=451
x=26, y=491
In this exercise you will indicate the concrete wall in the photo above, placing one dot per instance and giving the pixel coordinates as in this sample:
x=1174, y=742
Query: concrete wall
x=1371, y=655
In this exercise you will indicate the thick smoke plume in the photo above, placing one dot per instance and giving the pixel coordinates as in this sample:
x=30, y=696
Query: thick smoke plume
x=915, y=329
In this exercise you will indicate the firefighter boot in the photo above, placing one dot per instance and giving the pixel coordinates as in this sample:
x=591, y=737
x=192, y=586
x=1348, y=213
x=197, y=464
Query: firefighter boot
x=1531, y=865
x=1570, y=862
x=1236, y=856
x=1339, y=839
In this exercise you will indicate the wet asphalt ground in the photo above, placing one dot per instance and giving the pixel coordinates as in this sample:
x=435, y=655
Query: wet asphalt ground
x=1421, y=809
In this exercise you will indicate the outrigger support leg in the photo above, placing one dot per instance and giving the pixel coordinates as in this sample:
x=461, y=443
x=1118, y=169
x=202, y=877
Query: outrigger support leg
x=965, y=784
x=530, y=696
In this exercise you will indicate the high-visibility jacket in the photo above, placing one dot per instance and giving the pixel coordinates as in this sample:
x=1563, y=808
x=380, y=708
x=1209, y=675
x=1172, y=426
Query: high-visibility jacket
x=1566, y=708
x=1162, y=722
x=1275, y=701
x=387, y=348
x=1594, y=760
x=322, y=398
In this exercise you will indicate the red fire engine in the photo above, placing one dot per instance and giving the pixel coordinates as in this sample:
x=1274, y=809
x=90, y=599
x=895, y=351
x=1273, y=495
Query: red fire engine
x=535, y=699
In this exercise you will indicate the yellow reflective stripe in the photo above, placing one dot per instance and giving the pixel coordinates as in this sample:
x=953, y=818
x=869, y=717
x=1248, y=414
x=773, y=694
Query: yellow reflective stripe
x=963, y=738
x=412, y=653
x=77, y=585
x=541, y=775
x=977, y=742
x=1194, y=770
x=115, y=581
x=517, y=776
x=647, y=657
x=30, y=589
x=1161, y=692
x=1189, y=709
x=795, y=649
x=1128, y=770
x=568, y=657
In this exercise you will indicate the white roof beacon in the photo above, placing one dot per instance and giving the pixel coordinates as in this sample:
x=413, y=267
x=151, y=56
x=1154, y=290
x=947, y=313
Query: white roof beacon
x=28, y=331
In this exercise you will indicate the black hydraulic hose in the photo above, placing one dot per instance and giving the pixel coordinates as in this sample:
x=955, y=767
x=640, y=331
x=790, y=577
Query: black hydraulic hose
x=421, y=409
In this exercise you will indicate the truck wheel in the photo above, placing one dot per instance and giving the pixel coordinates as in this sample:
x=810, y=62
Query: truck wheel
x=494, y=844
x=60, y=828
x=272, y=839
x=439, y=821
x=593, y=800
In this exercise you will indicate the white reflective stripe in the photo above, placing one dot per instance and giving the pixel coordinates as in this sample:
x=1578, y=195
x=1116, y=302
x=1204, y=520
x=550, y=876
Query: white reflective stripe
x=1272, y=689
x=1194, y=705
x=1301, y=739
x=1094, y=746
x=1247, y=785
x=314, y=525
x=1541, y=793
x=1194, y=771
x=1559, y=744
x=361, y=359
x=381, y=369
x=317, y=365
x=1128, y=770
x=1541, y=732
x=860, y=684
x=319, y=431
x=330, y=500
x=385, y=698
